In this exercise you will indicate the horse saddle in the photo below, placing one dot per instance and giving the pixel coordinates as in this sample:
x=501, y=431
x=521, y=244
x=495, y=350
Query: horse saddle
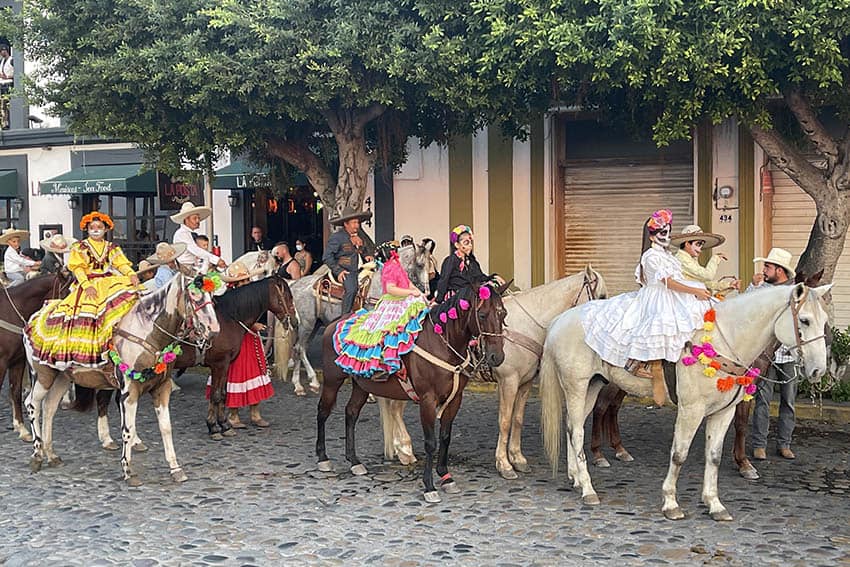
x=328, y=289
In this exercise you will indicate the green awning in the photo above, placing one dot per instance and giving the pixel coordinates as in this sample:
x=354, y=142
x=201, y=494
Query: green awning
x=8, y=183
x=245, y=175
x=102, y=179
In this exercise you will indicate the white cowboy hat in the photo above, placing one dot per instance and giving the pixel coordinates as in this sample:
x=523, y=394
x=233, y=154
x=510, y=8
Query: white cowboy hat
x=350, y=213
x=166, y=252
x=779, y=257
x=9, y=233
x=187, y=209
x=237, y=271
x=57, y=243
x=694, y=232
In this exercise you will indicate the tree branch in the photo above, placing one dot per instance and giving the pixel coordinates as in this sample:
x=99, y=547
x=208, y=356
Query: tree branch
x=368, y=114
x=298, y=153
x=812, y=127
x=791, y=161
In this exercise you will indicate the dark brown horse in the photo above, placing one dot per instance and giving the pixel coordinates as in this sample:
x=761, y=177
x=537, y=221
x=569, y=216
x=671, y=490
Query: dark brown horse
x=607, y=409
x=17, y=304
x=437, y=383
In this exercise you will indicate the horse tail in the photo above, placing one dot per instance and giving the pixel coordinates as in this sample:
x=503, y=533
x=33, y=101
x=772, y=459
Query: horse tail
x=552, y=408
x=388, y=426
x=282, y=350
x=83, y=398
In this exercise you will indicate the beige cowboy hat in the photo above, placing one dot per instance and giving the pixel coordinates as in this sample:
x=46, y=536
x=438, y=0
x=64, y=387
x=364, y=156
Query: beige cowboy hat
x=58, y=243
x=145, y=266
x=694, y=232
x=9, y=233
x=166, y=253
x=779, y=257
x=349, y=213
x=187, y=209
x=237, y=271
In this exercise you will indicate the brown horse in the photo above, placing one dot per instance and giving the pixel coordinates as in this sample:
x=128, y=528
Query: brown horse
x=607, y=409
x=17, y=304
x=438, y=383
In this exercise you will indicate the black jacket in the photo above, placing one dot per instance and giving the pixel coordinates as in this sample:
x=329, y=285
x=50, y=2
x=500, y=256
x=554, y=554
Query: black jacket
x=452, y=278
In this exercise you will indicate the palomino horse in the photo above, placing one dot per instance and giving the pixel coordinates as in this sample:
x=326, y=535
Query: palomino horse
x=529, y=315
x=572, y=372
x=17, y=304
x=311, y=312
x=437, y=373
x=180, y=310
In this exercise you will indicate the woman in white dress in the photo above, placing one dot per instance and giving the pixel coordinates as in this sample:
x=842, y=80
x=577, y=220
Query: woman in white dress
x=636, y=330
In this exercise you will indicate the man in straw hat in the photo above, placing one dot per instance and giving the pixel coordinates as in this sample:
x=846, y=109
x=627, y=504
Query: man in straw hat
x=343, y=251
x=777, y=270
x=189, y=218
x=691, y=242
x=55, y=249
x=15, y=264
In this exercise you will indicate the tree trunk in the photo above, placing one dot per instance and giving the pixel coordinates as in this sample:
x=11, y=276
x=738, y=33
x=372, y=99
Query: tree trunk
x=825, y=243
x=299, y=155
x=354, y=167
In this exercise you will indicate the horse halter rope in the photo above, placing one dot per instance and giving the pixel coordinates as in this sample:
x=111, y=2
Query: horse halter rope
x=289, y=315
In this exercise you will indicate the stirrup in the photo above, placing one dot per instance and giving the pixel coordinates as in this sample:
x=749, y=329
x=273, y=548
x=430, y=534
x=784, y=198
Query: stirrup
x=639, y=368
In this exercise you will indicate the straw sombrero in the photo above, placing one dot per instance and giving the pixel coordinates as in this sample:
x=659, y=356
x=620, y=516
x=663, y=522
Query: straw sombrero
x=237, y=271
x=779, y=257
x=187, y=209
x=350, y=213
x=166, y=253
x=145, y=266
x=58, y=243
x=694, y=232
x=12, y=233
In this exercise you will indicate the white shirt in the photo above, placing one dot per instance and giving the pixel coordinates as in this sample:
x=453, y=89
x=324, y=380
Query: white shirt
x=7, y=69
x=193, y=252
x=14, y=262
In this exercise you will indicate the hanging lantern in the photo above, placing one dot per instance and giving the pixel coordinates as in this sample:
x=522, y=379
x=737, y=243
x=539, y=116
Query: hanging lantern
x=291, y=205
x=272, y=206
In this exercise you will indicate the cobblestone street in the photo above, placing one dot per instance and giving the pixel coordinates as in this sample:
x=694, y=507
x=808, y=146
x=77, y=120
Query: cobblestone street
x=258, y=499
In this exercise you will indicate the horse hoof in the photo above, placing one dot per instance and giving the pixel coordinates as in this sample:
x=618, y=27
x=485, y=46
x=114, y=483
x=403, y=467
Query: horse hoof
x=111, y=446
x=325, y=466
x=674, y=514
x=217, y=437
x=508, y=474
x=25, y=436
x=229, y=432
x=315, y=388
x=451, y=487
x=179, y=476
x=432, y=497
x=602, y=463
x=522, y=467
x=140, y=447
x=55, y=463
x=749, y=473
x=406, y=460
x=624, y=456
x=35, y=465
x=133, y=481
x=721, y=516
x=358, y=470
x=590, y=500
x=300, y=393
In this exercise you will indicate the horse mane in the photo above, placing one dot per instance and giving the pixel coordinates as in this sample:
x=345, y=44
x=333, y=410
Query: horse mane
x=153, y=303
x=466, y=294
x=245, y=300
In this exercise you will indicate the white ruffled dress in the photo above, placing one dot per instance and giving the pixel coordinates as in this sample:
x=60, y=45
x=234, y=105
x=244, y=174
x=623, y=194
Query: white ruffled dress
x=652, y=323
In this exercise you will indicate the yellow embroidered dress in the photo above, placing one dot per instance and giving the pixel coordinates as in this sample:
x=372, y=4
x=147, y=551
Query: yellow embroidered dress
x=77, y=330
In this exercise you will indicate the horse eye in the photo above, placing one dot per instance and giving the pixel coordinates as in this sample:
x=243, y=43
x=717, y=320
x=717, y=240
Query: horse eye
x=804, y=322
x=482, y=316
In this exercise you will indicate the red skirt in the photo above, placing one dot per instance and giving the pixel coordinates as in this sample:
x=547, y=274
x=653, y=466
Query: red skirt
x=248, y=381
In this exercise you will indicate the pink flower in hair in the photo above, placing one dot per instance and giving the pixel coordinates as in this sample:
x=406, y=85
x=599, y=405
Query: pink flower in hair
x=660, y=219
x=484, y=292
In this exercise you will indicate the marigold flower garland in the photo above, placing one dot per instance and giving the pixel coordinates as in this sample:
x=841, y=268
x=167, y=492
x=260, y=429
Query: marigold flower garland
x=705, y=353
x=165, y=357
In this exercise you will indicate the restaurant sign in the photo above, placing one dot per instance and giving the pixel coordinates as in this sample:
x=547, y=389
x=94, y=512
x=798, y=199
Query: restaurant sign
x=173, y=193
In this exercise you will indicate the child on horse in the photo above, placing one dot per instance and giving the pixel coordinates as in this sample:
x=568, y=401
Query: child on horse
x=77, y=330
x=460, y=269
x=636, y=330
x=371, y=343
x=692, y=242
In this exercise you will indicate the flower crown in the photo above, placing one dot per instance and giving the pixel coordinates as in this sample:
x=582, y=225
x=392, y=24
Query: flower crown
x=454, y=236
x=96, y=216
x=659, y=219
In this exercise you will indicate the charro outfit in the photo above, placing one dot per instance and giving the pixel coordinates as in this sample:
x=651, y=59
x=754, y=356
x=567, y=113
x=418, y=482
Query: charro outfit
x=692, y=270
x=342, y=255
x=76, y=329
x=652, y=323
x=194, y=254
x=14, y=264
x=457, y=273
x=371, y=341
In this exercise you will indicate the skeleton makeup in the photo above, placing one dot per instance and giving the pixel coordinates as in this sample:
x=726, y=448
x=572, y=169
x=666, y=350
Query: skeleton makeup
x=662, y=237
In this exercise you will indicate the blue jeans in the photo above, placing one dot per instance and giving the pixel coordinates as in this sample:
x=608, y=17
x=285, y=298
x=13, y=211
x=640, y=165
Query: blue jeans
x=761, y=413
x=350, y=285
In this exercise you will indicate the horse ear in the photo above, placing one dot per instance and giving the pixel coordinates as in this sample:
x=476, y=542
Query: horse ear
x=504, y=287
x=822, y=290
x=588, y=270
x=799, y=292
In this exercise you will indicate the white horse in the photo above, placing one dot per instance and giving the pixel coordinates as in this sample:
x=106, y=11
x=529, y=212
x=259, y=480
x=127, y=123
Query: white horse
x=310, y=311
x=529, y=315
x=745, y=325
x=167, y=316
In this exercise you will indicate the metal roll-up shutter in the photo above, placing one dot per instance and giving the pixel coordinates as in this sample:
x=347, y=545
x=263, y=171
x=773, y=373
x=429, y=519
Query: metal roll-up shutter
x=794, y=214
x=606, y=202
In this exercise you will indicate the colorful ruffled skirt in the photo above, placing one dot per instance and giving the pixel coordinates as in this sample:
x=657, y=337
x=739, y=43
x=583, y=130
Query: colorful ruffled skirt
x=77, y=330
x=370, y=341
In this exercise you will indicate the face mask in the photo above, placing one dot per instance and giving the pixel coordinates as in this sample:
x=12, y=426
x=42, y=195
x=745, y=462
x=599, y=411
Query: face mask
x=299, y=247
x=96, y=233
x=663, y=238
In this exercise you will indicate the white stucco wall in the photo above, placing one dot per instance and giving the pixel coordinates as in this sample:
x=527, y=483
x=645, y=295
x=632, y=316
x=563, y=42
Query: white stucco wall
x=522, y=213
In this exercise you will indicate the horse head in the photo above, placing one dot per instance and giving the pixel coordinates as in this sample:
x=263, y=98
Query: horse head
x=486, y=321
x=801, y=326
x=194, y=303
x=414, y=259
x=282, y=302
x=595, y=283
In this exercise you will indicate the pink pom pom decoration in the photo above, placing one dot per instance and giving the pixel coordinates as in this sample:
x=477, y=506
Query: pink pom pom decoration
x=443, y=318
x=689, y=360
x=464, y=304
x=753, y=372
x=696, y=350
x=438, y=329
x=483, y=292
x=123, y=367
x=452, y=313
x=169, y=357
x=708, y=350
x=751, y=389
x=473, y=342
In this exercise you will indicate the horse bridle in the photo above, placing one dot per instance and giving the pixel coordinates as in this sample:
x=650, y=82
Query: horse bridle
x=589, y=287
x=287, y=318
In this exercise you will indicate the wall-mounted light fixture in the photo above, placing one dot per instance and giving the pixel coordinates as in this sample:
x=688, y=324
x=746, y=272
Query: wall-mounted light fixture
x=73, y=202
x=233, y=199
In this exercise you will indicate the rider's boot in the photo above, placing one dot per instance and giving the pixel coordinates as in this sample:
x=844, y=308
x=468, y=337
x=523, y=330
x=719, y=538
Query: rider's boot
x=652, y=370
